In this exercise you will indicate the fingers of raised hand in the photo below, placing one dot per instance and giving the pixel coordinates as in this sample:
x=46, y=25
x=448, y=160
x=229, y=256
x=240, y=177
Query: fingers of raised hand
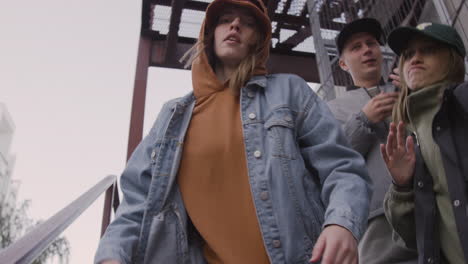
x=401, y=136
x=391, y=142
x=410, y=147
x=383, y=151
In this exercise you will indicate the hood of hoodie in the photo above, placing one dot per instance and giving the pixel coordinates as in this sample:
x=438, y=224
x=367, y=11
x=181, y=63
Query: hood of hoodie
x=204, y=79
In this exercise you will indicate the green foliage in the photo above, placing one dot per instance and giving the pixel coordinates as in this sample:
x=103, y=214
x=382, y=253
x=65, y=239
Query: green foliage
x=15, y=222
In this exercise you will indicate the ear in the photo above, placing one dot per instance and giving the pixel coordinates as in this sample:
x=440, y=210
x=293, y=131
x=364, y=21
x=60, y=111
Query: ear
x=343, y=65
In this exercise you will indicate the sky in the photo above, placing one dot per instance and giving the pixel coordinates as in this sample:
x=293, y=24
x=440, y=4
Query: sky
x=66, y=76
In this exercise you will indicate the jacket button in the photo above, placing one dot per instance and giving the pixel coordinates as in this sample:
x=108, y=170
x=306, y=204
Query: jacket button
x=252, y=116
x=420, y=184
x=257, y=153
x=429, y=260
x=438, y=128
x=456, y=203
x=276, y=243
x=250, y=94
x=288, y=119
x=264, y=195
x=153, y=154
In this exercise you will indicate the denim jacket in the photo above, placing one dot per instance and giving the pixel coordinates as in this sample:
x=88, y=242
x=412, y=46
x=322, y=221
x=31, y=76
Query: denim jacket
x=302, y=172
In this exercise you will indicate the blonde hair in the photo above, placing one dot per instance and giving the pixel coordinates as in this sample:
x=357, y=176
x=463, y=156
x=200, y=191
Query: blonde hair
x=244, y=71
x=455, y=73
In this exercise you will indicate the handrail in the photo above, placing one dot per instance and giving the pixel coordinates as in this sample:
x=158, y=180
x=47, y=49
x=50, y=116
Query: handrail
x=31, y=245
x=111, y=200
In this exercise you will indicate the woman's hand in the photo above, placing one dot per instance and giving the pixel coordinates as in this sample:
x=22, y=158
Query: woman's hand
x=336, y=245
x=398, y=156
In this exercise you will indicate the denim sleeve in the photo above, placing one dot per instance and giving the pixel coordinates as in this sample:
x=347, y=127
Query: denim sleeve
x=359, y=132
x=345, y=183
x=121, y=236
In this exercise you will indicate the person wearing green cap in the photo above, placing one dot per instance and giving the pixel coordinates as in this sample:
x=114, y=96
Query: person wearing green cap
x=427, y=202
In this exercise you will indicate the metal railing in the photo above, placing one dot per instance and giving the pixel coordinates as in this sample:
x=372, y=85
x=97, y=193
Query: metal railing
x=31, y=245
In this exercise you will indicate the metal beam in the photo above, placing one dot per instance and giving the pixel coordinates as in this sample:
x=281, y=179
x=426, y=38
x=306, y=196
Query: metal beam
x=139, y=94
x=280, y=18
x=300, y=63
x=295, y=39
x=271, y=7
x=111, y=200
x=454, y=20
x=176, y=13
x=327, y=88
x=192, y=5
x=304, y=66
x=442, y=12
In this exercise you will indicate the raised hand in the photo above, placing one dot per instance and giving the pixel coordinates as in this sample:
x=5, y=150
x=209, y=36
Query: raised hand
x=380, y=107
x=335, y=245
x=398, y=155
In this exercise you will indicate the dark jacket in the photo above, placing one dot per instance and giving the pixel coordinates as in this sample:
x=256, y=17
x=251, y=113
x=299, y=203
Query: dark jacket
x=450, y=132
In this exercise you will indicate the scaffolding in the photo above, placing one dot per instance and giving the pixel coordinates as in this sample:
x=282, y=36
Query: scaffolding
x=303, y=33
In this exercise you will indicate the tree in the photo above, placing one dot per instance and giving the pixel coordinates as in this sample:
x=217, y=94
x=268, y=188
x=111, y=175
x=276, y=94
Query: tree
x=15, y=222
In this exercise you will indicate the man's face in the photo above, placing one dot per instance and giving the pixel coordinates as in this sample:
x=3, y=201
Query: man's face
x=362, y=57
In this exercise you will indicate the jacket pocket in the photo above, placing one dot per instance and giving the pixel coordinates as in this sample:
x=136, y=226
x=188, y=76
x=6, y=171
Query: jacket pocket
x=281, y=134
x=163, y=245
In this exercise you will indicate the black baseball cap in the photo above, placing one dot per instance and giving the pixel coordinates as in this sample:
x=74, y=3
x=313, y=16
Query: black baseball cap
x=369, y=25
x=400, y=37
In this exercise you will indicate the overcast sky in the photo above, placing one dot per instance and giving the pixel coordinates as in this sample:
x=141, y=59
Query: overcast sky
x=66, y=77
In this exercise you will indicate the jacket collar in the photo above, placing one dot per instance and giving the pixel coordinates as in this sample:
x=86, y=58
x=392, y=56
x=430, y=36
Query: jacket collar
x=259, y=80
x=354, y=87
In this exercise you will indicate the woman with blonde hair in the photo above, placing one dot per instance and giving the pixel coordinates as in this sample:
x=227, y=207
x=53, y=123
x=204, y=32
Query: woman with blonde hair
x=248, y=168
x=427, y=203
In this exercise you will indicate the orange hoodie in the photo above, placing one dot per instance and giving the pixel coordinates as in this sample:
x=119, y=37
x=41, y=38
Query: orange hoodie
x=213, y=176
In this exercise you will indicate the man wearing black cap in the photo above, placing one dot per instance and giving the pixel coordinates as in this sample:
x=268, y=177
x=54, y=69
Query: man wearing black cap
x=364, y=111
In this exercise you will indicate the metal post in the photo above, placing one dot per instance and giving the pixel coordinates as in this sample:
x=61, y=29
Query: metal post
x=108, y=201
x=327, y=88
x=139, y=94
x=442, y=12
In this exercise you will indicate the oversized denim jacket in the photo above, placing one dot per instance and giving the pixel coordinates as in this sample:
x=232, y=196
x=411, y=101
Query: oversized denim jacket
x=302, y=172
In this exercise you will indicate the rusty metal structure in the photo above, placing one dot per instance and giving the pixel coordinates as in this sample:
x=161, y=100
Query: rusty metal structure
x=303, y=33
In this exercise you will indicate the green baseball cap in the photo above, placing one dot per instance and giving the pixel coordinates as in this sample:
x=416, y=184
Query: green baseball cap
x=400, y=37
